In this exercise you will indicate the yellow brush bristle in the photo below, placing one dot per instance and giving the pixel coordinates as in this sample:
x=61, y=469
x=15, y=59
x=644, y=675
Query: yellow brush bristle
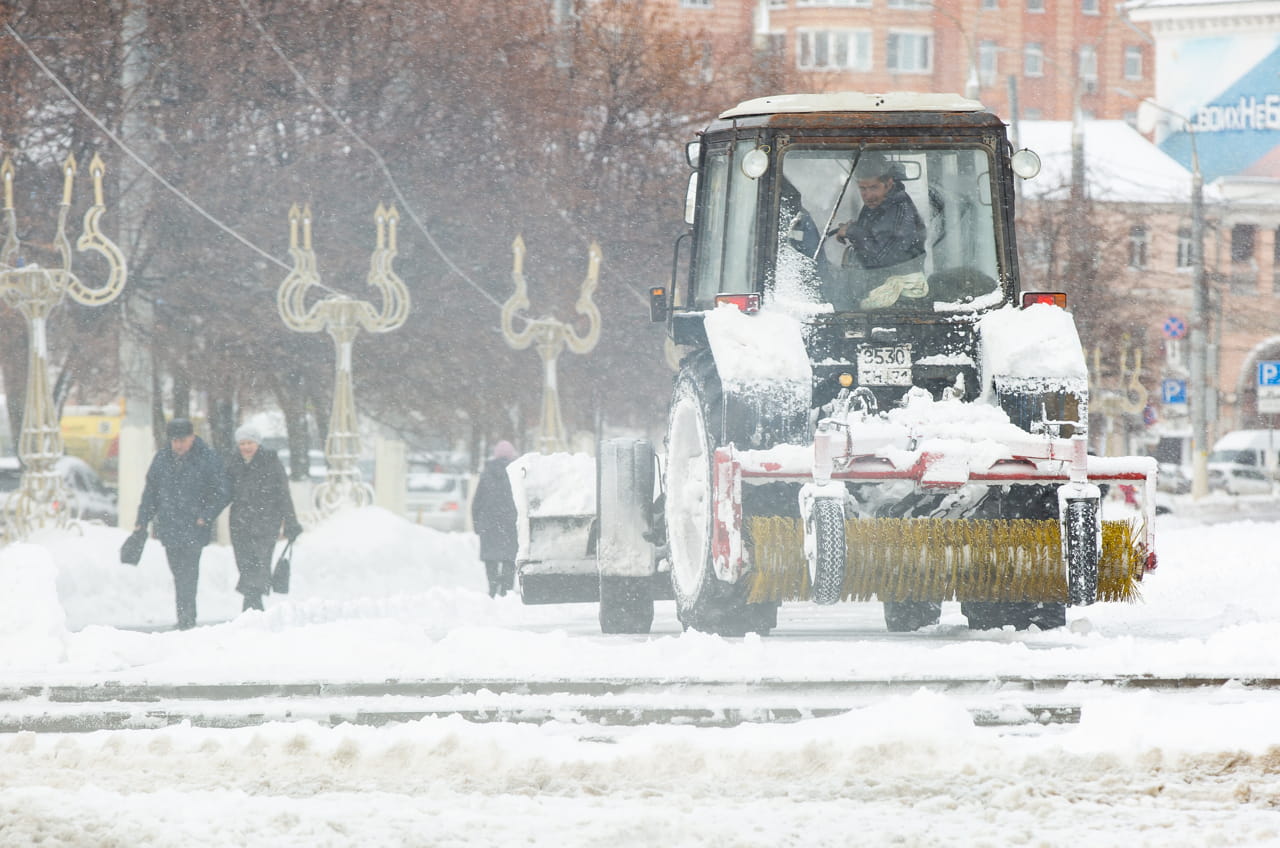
x=904, y=559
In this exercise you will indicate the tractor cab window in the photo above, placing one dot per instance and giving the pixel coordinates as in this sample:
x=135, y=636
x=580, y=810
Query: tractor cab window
x=869, y=228
x=726, y=237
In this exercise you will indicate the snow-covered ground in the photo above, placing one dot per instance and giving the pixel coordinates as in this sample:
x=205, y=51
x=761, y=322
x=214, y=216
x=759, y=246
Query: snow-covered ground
x=377, y=598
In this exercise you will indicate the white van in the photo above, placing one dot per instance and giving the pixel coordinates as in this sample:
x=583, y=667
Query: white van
x=1244, y=461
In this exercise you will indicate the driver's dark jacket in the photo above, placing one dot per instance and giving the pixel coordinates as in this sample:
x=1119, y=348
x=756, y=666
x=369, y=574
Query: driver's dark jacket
x=181, y=490
x=889, y=234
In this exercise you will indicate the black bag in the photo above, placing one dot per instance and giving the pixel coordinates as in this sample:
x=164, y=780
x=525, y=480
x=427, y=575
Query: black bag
x=280, y=574
x=131, y=550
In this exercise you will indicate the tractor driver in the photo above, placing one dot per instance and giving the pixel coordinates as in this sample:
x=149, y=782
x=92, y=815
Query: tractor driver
x=884, y=257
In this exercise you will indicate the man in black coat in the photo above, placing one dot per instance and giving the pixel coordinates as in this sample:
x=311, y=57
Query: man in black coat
x=493, y=515
x=260, y=507
x=887, y=239
x=186, y=490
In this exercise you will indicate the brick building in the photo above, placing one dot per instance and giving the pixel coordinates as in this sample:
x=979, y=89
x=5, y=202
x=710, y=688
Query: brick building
x=1046, y=53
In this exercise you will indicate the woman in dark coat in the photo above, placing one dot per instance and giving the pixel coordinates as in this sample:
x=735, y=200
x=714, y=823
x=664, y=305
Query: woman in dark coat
x=260, y=507
x=493, y=515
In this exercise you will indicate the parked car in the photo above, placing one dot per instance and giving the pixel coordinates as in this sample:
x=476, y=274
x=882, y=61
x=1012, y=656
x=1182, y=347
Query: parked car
x=1243, y=461
x=1238, y=479
x=1173, y=478
x=1253, y=448
x=91, y=500
x=437, y=499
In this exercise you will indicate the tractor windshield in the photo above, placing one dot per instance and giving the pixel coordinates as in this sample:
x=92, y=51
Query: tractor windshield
x=878, y=228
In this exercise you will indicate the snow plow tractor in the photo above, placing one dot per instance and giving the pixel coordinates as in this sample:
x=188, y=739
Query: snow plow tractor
x=869, y=406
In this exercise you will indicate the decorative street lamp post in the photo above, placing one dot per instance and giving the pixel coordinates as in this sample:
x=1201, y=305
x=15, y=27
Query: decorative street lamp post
x=41, y=499
x=551, y=336
x=342, y=317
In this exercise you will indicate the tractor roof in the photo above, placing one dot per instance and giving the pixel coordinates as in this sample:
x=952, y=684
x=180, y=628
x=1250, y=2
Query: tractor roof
x=854, y=101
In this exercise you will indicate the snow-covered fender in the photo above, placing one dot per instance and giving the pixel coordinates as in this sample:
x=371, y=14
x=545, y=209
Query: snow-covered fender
x=764, y=376
x=1032, y=366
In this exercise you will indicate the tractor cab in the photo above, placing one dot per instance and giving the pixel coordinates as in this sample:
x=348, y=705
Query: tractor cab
x=781, y=182
x=883, y=222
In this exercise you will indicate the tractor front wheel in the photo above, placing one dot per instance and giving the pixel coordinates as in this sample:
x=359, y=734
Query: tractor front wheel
x=828, y=550
x=703, y=601
x=1081, y=530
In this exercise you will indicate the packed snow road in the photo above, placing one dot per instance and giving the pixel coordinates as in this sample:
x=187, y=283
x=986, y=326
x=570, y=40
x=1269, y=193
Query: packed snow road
x=1020, y=704
x=915, y=739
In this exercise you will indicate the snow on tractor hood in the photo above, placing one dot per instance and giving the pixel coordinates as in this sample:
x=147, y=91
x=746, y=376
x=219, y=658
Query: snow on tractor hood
x=1036, y=345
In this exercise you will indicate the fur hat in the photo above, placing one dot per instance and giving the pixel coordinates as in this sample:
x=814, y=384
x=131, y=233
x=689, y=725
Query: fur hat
x=872, y=166
x=179, y=428
x=248, y=433
x=504, y=450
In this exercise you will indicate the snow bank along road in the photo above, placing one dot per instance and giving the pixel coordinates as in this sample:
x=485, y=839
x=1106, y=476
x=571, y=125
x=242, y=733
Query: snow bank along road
x=1002, y=701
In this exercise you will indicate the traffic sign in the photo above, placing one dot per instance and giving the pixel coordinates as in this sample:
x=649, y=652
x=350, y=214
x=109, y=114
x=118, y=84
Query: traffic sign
x=1175, y=327
x=1268, y=387
x=1173, y=391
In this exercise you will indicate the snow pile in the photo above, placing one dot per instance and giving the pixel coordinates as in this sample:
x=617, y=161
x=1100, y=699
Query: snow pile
x=364, y=553
x=553, y=484
x=33, y=629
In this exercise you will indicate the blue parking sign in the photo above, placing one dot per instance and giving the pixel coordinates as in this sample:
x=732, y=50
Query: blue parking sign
x=1269, y=373
x=1173, y=391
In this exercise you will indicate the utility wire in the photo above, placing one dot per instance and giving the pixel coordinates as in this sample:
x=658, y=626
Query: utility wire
x=142, y=162
x=359, y=139
x=382, y=165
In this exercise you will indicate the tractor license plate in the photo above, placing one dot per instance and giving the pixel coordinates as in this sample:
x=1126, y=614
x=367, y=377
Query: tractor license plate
x=884, y=366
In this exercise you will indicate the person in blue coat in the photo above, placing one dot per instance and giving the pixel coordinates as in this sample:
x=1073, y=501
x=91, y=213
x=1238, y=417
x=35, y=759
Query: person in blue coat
x=187, y=488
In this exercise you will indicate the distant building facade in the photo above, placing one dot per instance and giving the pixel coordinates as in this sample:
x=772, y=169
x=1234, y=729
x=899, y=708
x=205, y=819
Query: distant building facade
x=1217, y=73
x=1042, y=55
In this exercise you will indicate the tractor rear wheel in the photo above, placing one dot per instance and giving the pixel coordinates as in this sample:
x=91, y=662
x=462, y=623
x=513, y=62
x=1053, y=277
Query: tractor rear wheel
x=906, y=616
x=985, y=615
x=703, y=601
x=1033, y=502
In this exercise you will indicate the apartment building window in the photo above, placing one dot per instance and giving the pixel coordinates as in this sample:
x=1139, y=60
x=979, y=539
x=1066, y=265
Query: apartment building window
x=1186, y=255
x=1089, y=7
x=1133, y=63
x=1089, y=68
x=1035, y=5
x=1244, y=270
x=1033, y=60
x=987, y=62
x=989, y=5
x=910, y=52
x=802, y=3
x=777, y=4
x=1138, y=244
x=695, y=4
x=774, y=44
x=833, y=49
x=910, y=4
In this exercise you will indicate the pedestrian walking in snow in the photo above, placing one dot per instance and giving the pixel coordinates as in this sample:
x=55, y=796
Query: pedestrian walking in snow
x=186, y=490
x=493, y=514
x=260, y=508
